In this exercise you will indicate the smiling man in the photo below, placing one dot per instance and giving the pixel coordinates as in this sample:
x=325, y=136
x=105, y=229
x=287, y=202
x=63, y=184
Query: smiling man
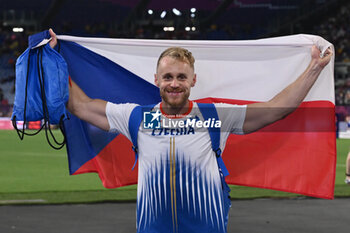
x=181, y=186
x=175, y=77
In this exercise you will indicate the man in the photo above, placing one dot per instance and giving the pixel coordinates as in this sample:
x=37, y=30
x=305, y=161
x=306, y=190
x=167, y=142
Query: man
x=180, y=187
x=347, y=170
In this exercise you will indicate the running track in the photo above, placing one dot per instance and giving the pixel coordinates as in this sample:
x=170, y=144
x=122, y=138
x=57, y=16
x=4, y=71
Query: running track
x=303, y=215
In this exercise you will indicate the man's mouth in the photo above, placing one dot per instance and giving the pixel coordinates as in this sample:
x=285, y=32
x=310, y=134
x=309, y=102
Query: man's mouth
x=174, y=93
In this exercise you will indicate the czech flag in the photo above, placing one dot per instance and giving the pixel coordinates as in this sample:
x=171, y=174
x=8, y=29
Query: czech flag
x=296, y=154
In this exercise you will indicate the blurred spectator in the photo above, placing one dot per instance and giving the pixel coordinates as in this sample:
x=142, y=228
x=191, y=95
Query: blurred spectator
x=1, y=95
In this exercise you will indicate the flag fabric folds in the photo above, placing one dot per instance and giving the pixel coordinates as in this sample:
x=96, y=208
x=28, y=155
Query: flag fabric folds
x=296, y=154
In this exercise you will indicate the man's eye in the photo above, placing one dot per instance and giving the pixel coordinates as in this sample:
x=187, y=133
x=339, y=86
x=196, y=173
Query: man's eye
x=182, y=77
x=167, y=77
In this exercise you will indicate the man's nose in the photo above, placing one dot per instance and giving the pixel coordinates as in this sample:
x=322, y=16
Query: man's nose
x=174, y=83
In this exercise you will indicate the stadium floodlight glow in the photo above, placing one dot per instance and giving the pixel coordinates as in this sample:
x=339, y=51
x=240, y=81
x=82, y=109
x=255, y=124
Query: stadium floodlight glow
x=176, y=12
x=193, y=15
x=170, y=29
x=193, y=28
x=193, y=10
x=150, y=12
x=187, y=29
x=163, y=14
x=17, y=29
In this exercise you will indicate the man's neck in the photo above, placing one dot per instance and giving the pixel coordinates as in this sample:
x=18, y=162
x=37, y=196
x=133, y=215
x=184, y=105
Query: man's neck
x=176, y=111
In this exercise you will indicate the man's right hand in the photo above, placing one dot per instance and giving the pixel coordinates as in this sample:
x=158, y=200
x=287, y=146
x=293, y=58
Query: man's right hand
x=53, y=41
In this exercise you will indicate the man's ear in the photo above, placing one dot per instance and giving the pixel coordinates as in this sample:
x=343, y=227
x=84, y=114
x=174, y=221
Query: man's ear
x=156, y=80
x=194, y=80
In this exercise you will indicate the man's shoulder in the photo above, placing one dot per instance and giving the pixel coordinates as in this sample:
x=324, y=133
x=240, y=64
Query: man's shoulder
x=121, y=106
x=113, y=109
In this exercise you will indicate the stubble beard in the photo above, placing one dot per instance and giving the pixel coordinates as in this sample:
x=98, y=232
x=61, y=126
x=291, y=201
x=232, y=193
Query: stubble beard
x=178, y=102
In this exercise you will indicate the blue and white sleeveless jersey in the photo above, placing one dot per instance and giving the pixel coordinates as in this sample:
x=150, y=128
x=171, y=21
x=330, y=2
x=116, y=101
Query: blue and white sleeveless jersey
x=179, y=185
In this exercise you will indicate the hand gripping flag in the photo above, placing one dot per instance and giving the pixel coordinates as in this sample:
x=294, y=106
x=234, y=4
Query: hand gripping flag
x=296, y=154
x=41, y=87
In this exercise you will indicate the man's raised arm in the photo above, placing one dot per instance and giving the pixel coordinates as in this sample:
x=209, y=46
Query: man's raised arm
x=82, y=106
x=259, y=115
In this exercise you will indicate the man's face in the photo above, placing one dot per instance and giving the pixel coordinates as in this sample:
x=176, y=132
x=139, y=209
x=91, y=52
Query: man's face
x=174, y=79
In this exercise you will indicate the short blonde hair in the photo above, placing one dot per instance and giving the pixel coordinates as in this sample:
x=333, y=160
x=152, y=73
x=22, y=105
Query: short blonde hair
x=178, y=53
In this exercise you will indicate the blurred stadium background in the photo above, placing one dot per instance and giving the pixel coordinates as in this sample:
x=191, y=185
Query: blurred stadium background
x=157, y=19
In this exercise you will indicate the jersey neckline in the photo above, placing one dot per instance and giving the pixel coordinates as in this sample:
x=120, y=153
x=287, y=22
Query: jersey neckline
x=177, y=116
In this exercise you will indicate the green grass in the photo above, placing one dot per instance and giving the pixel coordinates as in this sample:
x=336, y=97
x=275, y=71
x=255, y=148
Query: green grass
x=31, y=170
